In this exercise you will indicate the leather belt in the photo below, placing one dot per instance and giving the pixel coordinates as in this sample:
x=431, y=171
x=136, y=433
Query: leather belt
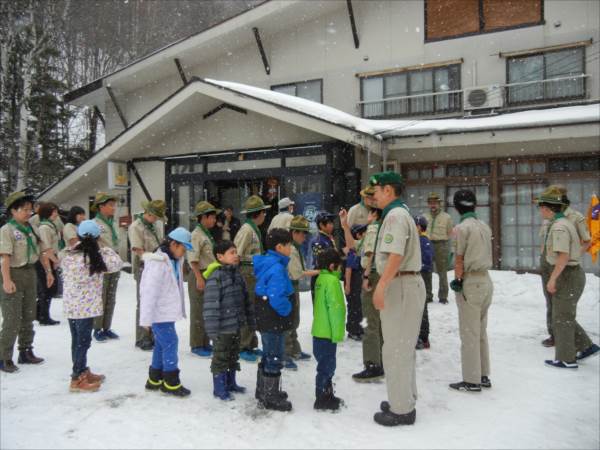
x=403, y=273
x=476, y=272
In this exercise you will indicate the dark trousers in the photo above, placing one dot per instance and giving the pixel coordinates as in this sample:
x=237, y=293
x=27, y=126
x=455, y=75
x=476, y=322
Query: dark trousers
x=164, y=355
x=44, y=293
x=354, y=304
x=324, y=351
x=273, y=352
x=226, y=352
x=292, y=345
x=81, y=339
x=428, y=292
x=424, y=331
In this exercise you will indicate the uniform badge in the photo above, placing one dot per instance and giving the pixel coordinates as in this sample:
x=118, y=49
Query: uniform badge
x=18, y=235
x=388, y=238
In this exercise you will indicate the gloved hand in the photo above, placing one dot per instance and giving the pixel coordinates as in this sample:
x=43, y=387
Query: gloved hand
x=456, y=285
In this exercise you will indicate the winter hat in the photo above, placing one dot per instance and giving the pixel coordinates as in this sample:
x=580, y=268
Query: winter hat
x=182, y=236
x=421, y=221
x=88, y=228
x=356, y=229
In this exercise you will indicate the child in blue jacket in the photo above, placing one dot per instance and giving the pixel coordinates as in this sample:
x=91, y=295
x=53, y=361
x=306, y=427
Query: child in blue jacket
x=273, y=307
x=426, y=269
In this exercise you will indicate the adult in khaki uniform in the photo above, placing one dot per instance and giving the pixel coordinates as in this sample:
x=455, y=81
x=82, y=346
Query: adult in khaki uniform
x=359, y=213
x=75, y=217
x=578, y=220
x=19, y=251
x=299, y=227
x=474, y=290
x=105, y=207
x=249, y=243
x=285, y=216
x=199, y=258
x=49, y=246
x=144, y=237
x=438, y=230
x=566, y=282
x=400, y=298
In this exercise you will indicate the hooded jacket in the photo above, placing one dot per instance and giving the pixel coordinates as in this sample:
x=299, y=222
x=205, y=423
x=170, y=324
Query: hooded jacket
x=273, y=290
x=227, y=305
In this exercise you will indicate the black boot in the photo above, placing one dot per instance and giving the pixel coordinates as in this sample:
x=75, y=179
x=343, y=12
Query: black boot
x=260, y=384
x=172, y=385
x=390, y=419
x=155, y=381
x=327, y=400
x=371, y=373
x=27, y=357
x=271, y=397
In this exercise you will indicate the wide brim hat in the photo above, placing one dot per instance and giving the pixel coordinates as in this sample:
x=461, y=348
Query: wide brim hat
x=434, y=196
x=553, y=195
x=103, y=197
x=368, y=191
x=205, y=207
x=253, y=204
x=13, y=197
x=300, y=223
x=155, y=207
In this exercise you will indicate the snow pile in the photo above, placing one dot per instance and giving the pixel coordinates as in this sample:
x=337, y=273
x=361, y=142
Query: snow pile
x=399, y=128
x=529, y=406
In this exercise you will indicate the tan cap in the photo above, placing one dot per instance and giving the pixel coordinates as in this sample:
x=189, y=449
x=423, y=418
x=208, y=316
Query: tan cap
x=205, y=207
x=254, y=203
x=13, y=197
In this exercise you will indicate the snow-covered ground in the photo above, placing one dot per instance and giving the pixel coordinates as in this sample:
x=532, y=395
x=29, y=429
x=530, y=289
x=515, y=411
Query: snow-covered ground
x=529, y=406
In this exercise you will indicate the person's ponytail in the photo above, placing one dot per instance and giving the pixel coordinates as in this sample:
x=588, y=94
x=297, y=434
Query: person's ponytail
x=91, y=254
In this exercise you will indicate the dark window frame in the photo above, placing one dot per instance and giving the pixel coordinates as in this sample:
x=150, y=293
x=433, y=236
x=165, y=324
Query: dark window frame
x=296, y=83
x=428, y=40
x=434, y=111
x=543, y=54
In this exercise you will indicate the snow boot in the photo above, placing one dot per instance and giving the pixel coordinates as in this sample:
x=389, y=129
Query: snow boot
x=465, y=387
x=390, y=419
x=27, y=357
x=83, y=384
x=260, y=384
x=154, y=381
x=8, y=366
x=220, y=386
x=172, y=385
x=271, y=397
x=231, y=384
x=592, y=350
x=94, y=377
x=327, y=400
x=371, y=373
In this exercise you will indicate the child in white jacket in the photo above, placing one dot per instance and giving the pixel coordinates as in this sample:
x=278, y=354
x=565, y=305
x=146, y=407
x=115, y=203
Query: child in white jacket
x=161, y=304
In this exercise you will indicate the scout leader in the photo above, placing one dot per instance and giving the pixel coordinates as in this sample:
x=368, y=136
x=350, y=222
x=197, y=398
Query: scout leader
x=105, y=206
x=438, y=231
x=248, y=242
x=49, y=245
x=284, y=218
x=358, y=214
x=474, y=289
x=566, y=282
x=144, y=237
x=19, y=251
x=578, y=220
x=200, y=257
x=400, y=298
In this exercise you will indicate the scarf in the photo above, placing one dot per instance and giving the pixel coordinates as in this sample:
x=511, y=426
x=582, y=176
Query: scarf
x=28, y=232
x=467, y=215
x=109, y=223
x=149, y=226
x=300, y=253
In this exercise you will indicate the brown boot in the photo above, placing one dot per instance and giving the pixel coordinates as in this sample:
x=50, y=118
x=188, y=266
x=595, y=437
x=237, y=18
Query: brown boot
x=94, y=377
x=27, y=357
x=548, y=342
x=8, y=366
x=82, y=384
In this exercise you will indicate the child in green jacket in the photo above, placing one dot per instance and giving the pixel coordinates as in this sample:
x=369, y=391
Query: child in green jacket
x=329, y=326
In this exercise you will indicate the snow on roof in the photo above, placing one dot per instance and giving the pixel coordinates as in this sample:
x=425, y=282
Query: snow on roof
x=400, y=128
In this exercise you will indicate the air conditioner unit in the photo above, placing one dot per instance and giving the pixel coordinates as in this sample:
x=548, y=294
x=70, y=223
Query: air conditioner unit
x=482, y=98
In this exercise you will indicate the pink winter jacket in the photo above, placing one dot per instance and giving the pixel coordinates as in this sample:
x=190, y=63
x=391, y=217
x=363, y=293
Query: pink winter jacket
x=82, y=294
x=161, y=295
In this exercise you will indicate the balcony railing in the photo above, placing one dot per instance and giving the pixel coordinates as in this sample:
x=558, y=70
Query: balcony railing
x=554, y=90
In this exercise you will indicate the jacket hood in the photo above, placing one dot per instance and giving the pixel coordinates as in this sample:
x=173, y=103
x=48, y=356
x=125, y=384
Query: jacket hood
x=336, y=273
x=210, y=269
x=262, y=263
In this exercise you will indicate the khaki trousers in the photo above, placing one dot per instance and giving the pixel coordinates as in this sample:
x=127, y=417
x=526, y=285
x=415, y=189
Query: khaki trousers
x=248, y=338
x=440, y=258
x=473, y=304
x=400, y=323
x=109, y=300
x=372, y=339
x=198, y=337
x=141, y=333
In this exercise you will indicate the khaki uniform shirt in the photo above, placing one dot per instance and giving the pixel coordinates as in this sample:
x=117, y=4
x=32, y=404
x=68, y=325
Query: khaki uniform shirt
x=247, y=243
x=105, y=239
x=141, y=237
x=577, y=219
x=70, y=232
x=295, y=265
x=368, y=245
x=14, y=243
x=563, y=238
x=203, y=249
x=474, y=243
x=34, y=221
x=358, y=214
x=439, y=227
x=58, y=223
x=48, y=238
x=281, y=220
x=398, y=235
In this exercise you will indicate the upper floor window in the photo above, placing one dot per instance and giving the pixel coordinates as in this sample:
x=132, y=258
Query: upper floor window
x=412, y=92
x=555, y=75
x=310, y=90
x=445, y=19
